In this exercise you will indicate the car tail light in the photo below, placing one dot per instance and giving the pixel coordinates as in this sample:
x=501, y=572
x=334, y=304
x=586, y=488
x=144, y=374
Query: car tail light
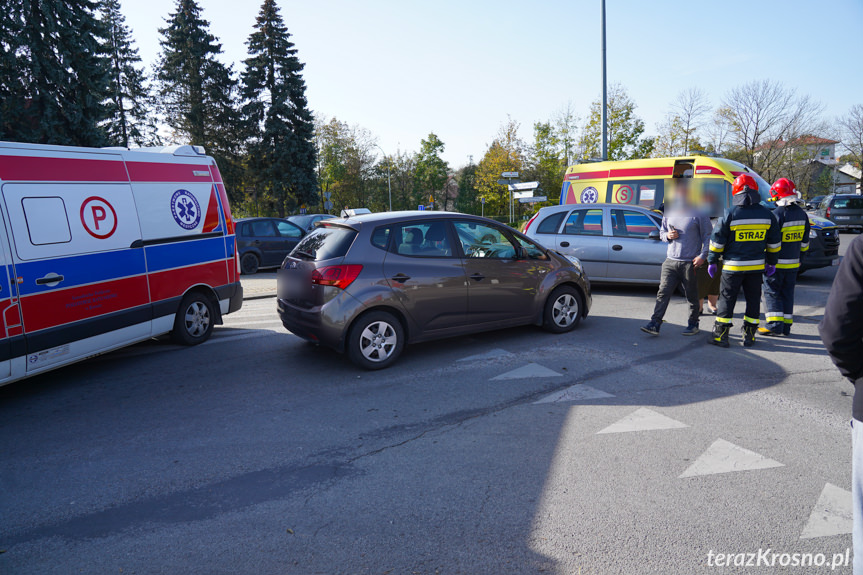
x=827, y=213
x=336, y=276
x=530, y=222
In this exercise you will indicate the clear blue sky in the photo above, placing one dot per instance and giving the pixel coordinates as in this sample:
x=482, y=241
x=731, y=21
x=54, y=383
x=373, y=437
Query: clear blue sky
x=404, y=68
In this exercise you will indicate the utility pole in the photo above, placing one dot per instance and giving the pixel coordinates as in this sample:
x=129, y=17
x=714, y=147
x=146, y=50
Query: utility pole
x=604, y=92
x=389, y=176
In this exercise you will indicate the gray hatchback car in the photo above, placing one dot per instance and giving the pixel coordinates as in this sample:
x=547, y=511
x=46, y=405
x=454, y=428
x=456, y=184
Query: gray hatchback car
x=367, y=285
x=845, y=210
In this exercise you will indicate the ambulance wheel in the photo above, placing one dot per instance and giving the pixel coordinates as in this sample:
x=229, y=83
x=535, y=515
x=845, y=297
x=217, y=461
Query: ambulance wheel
x=562, y=310
x=375, y=340
x=194, y=321
x=249, y=264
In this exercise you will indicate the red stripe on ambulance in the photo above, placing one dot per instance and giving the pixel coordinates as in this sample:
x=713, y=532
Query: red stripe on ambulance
x=587, y=176
x=158, y=172
x=174, y=283
x=54, y=308
x=36, y=169
x=641, y=172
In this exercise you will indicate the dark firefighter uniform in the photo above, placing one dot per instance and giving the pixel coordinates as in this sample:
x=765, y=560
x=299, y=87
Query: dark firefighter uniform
x=747, y=239
x=779, y=288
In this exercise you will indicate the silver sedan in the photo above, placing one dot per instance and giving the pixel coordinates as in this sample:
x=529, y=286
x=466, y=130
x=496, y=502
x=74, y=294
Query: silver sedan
x=615, y=242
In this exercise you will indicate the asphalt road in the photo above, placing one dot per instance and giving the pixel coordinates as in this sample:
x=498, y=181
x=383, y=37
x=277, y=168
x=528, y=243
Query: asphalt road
x=599, y=451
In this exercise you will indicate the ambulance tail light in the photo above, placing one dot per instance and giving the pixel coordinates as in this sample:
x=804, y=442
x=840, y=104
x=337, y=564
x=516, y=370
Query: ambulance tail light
x=530, y=222
x=336, y=276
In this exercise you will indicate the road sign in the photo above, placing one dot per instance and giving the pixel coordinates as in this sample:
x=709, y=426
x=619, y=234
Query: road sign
x=509, y=175
x=520, y=195
x=524, y=186
x=328, y=195
x=302, y=211
x=482, y=200
x=328, y=205
x=533, y=200
x=421, y=208
x=507, y=182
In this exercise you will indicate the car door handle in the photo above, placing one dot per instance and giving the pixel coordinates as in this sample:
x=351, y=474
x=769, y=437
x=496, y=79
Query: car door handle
x=257, y=242
x=617, y=247
x=477, y=277
x=564, y=244
x=51, y=280
x=400, y=278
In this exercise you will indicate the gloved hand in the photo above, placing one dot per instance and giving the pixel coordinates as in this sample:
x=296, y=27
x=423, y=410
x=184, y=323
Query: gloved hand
x=712, y=269
x=769, y=270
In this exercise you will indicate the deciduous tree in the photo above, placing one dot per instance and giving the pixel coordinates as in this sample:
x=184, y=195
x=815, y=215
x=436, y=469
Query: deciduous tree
x=626, y=139
x=432, y=171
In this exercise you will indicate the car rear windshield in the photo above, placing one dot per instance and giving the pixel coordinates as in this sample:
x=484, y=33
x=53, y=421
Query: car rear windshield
x=325, y=243
x=848, y=203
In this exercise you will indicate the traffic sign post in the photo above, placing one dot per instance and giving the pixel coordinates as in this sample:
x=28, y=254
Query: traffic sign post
x=508, y=179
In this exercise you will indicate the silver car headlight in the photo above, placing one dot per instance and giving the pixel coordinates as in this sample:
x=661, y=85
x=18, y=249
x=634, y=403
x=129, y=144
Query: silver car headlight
x=813, y=233
x=576, y=263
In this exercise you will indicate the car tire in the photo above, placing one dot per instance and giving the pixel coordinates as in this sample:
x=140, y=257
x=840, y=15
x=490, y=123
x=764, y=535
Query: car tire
x=375, y=340
x=563, y=310
x=249, y=264
x=195, y=320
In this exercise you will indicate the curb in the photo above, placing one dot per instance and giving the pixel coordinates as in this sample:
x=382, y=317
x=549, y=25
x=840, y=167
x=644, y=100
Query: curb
x=260, y=296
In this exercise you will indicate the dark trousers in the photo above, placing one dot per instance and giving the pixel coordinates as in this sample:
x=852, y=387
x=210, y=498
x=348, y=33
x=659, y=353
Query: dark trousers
x=779, y=297
x=729, y=288
x=676, y=273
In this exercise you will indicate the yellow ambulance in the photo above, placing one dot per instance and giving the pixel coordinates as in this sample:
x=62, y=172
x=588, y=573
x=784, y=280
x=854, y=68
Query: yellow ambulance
x=646, y=182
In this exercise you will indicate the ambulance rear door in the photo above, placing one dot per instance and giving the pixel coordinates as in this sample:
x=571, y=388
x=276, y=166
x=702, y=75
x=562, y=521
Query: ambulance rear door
x=11, y=330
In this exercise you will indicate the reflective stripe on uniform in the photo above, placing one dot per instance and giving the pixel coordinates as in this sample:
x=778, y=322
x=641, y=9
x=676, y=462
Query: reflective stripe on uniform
x=772, y=318
x=750, y=320
x=758, y=222
x=804, y=247
x=774, y=248
x=788, y=266
x=723, y=320
x=788, y=320
x=801, y=223
x=715, y=247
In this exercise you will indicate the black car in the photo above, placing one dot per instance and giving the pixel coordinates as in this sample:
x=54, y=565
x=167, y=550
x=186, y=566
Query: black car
x=265, y=242
x=814, y=203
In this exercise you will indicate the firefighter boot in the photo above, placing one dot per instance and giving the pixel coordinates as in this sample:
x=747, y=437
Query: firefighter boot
x=720, y=334
x=749, y=330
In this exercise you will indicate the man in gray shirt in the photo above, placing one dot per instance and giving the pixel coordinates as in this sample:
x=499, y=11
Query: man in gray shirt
x=687, y=231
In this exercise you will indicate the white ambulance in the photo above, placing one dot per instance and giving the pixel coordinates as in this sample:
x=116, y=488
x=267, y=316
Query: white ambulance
x=103, y=248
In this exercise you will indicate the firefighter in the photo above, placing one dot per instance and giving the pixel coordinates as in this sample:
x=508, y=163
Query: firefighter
x=779, y=288
x=748, y=240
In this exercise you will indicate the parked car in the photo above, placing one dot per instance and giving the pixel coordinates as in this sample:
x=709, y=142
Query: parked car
x=845, y=210
x=823, y=245
x=367, y=285
x=814, y=203
x=265, y=242
x=308, y=221
x=616, y=243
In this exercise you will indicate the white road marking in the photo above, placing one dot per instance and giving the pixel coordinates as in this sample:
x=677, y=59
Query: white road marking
x=490, y=354
x=724, y=457
x=527, y=371
x=832, y=514
x=574, y=393
x=643, y=419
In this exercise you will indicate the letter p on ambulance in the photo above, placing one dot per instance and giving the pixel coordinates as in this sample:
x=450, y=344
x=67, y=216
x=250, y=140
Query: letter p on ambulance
x=99, y=215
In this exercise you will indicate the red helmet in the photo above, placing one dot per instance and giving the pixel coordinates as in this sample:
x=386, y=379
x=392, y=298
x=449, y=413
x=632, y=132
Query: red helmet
x=782, y=188
x=743, y=182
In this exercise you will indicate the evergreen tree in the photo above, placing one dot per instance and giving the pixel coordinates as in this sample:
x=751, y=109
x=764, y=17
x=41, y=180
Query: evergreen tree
x=53, y=71
x=282, y=153
x=196, y=92
x=129, y=118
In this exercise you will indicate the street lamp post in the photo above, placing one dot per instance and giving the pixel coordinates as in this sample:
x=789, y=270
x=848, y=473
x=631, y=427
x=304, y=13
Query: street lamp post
x=389, y=176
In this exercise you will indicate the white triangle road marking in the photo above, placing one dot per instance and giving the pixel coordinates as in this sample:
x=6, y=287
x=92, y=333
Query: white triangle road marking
x=724, y=457
x=496, y=353
x=579, y=392
x=526, y=371
x=832, y=514
x=643, y=419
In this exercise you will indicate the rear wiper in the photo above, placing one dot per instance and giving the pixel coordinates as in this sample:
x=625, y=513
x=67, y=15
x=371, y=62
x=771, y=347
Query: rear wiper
x=306, y=255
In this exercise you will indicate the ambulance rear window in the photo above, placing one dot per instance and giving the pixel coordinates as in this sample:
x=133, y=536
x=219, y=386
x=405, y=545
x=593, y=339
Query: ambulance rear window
x=47, y=222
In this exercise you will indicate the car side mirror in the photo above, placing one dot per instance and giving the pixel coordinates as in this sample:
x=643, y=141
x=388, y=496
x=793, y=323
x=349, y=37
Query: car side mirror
x=520, y=253
x=654, y=235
